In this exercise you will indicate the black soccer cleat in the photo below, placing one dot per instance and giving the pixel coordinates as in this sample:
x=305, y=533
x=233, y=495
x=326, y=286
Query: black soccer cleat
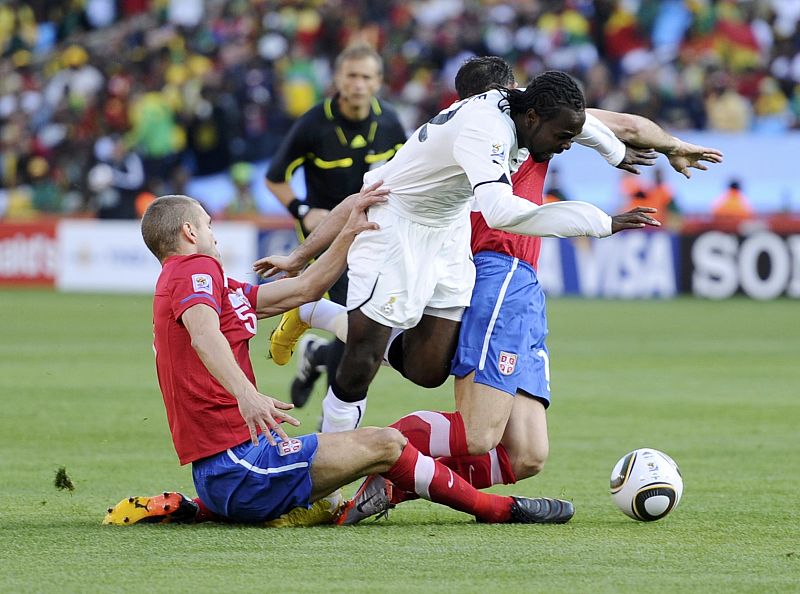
x=540, y=510
x=307, y=372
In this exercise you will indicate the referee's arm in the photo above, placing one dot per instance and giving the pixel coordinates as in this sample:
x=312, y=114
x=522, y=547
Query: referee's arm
x=291, y=154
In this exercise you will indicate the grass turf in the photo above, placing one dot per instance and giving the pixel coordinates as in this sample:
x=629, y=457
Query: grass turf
x=715, y=385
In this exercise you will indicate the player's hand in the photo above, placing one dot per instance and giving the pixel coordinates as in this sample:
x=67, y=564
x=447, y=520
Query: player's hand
x=259, y=411
x=271, y=265
x=314, y=217
x=635, y=218
x=637, y=156
x=687, y=155
x=368, y=196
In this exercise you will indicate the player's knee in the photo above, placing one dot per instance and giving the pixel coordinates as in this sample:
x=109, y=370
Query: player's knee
x=529, y=463
x=387, y=444
x=357, y=369
x=427, y=378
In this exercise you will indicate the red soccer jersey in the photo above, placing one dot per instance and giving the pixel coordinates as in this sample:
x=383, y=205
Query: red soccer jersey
x=203, y=416
x=528, y=183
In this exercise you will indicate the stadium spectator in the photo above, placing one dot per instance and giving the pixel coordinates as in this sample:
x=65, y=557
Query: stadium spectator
x=243, y=201
x=657, y=195
x=732, y=205
x=699, y=65
x=127, y=178
x=45, y=194
x=727, y=110
x=553, y=191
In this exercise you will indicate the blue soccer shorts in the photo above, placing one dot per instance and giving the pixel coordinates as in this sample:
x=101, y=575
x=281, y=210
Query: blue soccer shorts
x=257, y=484
x=502, y=337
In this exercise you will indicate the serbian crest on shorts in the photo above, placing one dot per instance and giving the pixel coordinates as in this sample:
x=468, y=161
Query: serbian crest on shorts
x=289, y=446
x=507, y=362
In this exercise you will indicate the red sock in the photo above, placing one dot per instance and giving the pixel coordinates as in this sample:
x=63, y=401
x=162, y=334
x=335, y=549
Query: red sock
x=435, y=433
x=483, y=471
x=435, y=482
x=206, y=515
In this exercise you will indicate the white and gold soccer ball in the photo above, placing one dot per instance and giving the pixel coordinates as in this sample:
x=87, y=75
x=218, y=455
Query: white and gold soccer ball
x=646, y=484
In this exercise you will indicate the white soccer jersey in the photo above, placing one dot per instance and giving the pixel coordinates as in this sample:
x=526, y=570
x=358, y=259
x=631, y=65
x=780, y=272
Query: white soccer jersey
x=464, y=152
x=433, y=175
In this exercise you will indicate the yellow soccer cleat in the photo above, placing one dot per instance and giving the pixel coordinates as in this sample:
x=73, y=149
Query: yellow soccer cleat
x=284, y=338
x=161, y=509
x=320, y=512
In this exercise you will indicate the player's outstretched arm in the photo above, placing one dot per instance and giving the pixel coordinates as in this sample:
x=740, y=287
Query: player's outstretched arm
x=257, y=410
x=571, y=218
x=285, y=294
x=641, y=132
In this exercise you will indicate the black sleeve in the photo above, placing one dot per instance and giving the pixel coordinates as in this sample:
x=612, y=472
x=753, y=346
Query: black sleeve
x=396, y=131
x=294, y=146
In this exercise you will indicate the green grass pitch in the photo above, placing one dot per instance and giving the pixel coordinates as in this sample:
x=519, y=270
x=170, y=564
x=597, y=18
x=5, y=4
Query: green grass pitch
x=715, y=385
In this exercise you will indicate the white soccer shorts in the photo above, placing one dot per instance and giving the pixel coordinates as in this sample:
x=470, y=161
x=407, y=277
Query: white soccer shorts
x=406, y=269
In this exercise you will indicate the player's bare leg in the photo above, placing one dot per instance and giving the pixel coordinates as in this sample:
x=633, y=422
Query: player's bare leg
x=366, y=341
x=486, y=412
x=427, y=350
x=525, y=438
x=344, y=457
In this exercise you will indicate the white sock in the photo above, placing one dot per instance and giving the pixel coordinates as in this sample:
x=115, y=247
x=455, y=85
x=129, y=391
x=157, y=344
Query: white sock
x=341, y=416
x=396, y=332
x=340, y=326
x=322, y=314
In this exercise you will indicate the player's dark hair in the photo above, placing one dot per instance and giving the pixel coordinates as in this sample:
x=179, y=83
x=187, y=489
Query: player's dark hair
x=547, y=95
x=481, y=73
x=162, y=222
x=358, y=51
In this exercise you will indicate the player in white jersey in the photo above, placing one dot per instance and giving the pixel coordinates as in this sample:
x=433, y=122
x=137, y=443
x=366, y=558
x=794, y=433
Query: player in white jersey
x=415, y=272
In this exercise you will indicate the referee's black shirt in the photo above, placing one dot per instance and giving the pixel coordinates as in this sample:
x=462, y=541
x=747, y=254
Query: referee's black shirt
x=336, y=152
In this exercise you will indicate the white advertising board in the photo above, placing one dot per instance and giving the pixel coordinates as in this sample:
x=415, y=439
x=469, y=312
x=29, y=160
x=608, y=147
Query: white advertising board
x=110, y=256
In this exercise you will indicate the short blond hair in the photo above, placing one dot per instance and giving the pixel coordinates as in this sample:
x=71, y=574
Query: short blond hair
x=162, y=222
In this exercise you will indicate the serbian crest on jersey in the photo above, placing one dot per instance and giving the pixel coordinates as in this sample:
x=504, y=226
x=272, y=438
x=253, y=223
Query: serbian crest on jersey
x=507, y=362
x=289, y=446
x=201, y=283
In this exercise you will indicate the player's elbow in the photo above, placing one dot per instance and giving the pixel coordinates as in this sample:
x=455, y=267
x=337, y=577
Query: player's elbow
x=627, y=129
x=494, y=221
x=311, y=288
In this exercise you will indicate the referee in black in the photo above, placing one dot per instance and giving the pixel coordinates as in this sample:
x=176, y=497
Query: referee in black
x=336, y=142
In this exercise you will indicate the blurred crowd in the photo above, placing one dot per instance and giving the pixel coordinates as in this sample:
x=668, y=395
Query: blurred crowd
x=106, y=103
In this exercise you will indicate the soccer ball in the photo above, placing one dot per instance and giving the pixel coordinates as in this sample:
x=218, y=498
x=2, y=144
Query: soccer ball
x=646, y=484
